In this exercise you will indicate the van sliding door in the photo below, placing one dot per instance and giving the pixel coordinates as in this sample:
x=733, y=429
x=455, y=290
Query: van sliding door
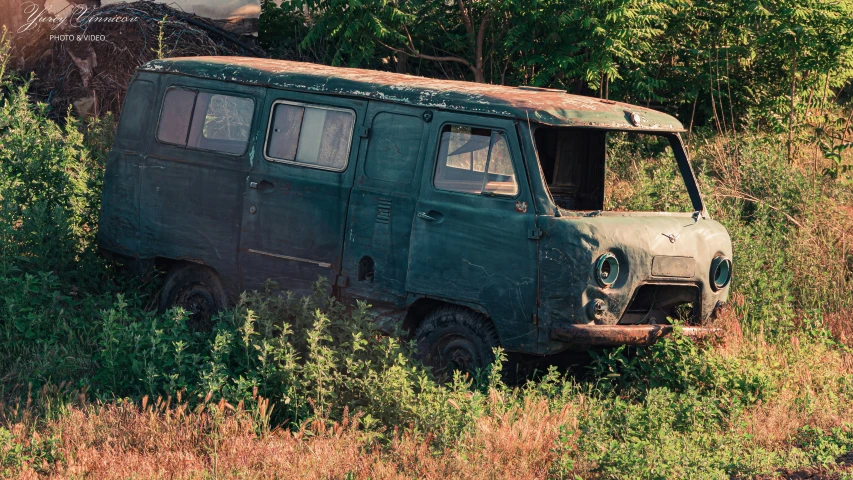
x=382, y=203
x=297, y=191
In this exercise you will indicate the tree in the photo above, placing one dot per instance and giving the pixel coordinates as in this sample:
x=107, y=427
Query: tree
x=436, y=31
x=712, y=62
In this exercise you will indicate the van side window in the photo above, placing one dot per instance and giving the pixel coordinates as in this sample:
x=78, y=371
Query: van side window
x=206, y=121
x=475, y=160
x=309, y=135
x=175, y=119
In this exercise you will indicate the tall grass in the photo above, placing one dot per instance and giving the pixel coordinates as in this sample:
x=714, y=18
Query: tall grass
x=95, y=384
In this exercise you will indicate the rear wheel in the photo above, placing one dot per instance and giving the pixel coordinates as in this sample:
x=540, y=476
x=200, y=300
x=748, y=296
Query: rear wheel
x=198, y=290
x=455, y=338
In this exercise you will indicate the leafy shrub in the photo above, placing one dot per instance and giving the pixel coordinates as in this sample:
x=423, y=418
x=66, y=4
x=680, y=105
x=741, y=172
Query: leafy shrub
x=312, y=365
x=824, y=447
x=39, y=453
x=49, y=190
x=678, y=365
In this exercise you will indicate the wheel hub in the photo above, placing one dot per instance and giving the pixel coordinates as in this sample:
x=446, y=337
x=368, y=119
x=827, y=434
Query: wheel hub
x=457, y=353
x=198, y=300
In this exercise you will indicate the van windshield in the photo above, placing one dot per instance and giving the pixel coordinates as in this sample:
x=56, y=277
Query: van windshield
x=588, y=169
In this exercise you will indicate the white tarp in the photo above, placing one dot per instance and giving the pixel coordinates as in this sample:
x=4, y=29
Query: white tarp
x=216, y=9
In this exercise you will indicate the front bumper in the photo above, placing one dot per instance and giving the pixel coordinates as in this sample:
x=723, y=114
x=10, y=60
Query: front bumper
x=615, y=335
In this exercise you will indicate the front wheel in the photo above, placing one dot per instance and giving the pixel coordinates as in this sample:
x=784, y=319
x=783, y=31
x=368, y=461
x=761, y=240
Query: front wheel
x=198, y=290
x=456, y=338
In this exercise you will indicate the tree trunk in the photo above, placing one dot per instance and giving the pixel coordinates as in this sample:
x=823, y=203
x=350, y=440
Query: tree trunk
x=479, y=75
x=402, y=60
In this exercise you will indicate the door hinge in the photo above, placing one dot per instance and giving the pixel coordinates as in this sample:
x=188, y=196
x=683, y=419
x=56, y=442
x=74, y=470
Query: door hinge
x=534, y=233
x=365, y=131
x=341, y=281
x=535, y=319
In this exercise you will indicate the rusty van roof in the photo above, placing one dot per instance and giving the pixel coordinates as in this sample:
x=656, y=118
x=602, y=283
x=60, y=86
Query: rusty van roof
x=552, y=107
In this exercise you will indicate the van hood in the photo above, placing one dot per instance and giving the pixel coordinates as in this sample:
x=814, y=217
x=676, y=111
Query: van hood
x=675, y=249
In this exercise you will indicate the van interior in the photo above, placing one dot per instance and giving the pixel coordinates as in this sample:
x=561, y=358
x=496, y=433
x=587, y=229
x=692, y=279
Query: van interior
x=573, y=163
x=579, y=165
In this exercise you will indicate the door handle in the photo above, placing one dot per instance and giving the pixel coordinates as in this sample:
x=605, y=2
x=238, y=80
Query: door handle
x=426, y=216
x=262, y=186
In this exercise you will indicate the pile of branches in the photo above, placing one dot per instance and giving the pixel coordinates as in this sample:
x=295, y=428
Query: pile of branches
x=88, y=60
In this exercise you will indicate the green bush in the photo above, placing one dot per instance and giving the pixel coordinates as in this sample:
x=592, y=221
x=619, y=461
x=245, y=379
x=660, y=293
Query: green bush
x=40, y=453
x=678, y=365
x=70, y=323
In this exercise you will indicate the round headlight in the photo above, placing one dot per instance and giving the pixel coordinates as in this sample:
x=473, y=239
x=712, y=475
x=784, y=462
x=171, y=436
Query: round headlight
x=721, y=272
x=606, y=269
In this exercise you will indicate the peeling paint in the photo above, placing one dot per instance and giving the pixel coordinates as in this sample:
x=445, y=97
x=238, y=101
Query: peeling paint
x=549, y=106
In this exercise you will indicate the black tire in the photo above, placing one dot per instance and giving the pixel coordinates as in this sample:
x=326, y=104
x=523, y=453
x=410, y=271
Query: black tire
x=456, y=338
x=198, y=290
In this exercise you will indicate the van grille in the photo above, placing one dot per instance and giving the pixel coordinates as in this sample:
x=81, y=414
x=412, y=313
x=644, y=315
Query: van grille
x=653, y=303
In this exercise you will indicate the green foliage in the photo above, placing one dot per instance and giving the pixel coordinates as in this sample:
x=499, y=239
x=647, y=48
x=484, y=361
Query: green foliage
x=592, y=44
x=824, y=447
x=39, y=453
x=642, y=175
x=49, y=187
x=667, y=435
x=679, y=366
x=718, y=63
x=342, y=32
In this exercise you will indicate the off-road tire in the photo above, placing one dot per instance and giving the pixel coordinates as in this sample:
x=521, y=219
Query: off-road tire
x=456, y=338
x=196, y=288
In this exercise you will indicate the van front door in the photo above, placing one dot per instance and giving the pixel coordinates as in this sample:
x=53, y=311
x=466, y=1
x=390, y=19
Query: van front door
x=298, y=189
x=471, y=232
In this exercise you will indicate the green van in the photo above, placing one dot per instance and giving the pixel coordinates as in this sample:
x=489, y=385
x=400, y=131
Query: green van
x=471, y=215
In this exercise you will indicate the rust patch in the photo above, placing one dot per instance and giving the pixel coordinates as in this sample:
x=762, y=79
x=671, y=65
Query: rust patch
x=613, y=335
x=550, y=106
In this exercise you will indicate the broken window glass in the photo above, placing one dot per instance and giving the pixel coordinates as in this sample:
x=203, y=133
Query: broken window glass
x=221, y=123
x=206, y=121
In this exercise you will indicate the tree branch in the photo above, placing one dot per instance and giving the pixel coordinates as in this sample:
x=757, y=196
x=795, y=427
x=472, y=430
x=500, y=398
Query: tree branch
x=409, y=36
x=416, y=54
x=469, y=27
x=749, y=198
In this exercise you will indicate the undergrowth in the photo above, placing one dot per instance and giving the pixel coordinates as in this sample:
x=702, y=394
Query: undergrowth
x=96, y=384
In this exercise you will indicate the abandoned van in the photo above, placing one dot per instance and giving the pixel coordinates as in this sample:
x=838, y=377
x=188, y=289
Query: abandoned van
x=470, y=215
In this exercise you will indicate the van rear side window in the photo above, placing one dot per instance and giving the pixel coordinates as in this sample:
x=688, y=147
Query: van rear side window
x=206, y=121
x=475, y=160
x=309, y=135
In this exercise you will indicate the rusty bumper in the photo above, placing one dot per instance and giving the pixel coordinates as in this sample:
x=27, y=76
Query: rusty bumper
x=614, y=335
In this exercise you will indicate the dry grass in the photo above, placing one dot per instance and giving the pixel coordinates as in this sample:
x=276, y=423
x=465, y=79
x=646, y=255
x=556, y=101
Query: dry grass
x=127, y=441
x=841, y=325
x=807, y=393
x=822, y=254
x=731, y=338
x=527, y=441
